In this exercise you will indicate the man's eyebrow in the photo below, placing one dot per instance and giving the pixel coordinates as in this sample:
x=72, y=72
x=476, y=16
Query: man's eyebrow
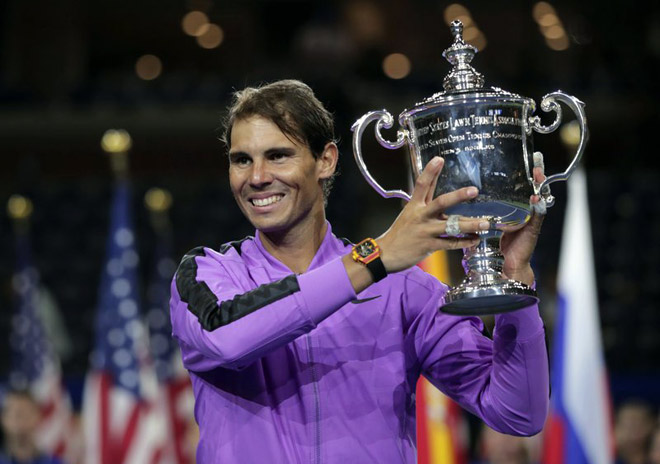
x=271, y=151
x=285, y=150
x=237, y=154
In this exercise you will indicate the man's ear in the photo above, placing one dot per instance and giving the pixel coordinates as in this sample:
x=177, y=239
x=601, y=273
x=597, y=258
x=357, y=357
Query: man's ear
x=327, y=161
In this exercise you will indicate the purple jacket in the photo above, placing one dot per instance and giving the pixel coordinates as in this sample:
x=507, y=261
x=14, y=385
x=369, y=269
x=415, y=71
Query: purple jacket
x=299, y=369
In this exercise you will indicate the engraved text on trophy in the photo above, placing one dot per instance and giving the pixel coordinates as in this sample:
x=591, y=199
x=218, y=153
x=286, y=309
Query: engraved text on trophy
x=482, y=145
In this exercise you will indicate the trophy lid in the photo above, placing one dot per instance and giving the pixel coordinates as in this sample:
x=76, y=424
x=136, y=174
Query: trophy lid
x=462, y=76
x=463, y=83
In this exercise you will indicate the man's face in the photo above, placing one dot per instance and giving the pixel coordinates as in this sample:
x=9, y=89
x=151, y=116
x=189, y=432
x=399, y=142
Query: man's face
x=20, y=416
x=634, y=426
x=274, y=179
x=500, y=448
x=654, y=453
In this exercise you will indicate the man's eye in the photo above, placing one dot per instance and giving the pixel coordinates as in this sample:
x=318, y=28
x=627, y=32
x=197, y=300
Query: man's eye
x=241, y=160
x=277, y=156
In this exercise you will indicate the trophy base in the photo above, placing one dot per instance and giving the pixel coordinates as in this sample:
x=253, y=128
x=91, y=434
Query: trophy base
x=471, y=299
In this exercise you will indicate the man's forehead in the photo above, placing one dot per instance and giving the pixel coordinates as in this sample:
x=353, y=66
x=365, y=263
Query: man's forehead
x=16, y=399
x=257, y=133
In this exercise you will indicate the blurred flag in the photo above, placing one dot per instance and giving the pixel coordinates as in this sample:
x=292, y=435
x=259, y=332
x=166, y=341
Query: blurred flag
x=120, y=423
x=442, y=433
x=35, y=365
x=175, y=396
x=579, y=426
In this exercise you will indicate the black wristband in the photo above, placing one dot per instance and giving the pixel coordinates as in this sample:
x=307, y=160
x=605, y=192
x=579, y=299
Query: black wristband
x=377, y=269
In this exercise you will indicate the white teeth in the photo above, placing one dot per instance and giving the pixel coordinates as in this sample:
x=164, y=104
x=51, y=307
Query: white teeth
x=267, y=201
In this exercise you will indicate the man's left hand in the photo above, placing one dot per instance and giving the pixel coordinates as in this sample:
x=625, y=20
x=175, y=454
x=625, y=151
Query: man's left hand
x=517, y=246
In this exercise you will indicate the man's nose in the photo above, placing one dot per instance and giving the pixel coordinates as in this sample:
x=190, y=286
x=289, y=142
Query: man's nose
x=260, y=174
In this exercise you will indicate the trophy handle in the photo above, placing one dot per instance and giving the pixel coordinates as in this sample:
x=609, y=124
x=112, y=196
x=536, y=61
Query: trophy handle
x=549, y=103
x=385, y=120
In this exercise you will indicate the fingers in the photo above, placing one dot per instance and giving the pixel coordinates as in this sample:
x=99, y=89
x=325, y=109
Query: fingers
x=536, y=221
x=538, y=204
x=538, y=174
x=443, y=202
x=427, y=180
x=431, y=191
x=465, y=226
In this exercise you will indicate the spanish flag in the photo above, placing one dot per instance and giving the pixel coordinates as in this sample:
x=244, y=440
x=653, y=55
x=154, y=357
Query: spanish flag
x=441, y=427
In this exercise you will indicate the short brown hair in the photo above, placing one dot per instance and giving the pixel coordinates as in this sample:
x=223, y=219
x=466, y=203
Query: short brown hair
x=292, y=106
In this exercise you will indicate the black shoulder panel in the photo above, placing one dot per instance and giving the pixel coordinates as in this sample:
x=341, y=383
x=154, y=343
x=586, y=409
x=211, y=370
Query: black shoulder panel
x=236, y=245
x=203, y=303
x=198, y=295
x=246, y=303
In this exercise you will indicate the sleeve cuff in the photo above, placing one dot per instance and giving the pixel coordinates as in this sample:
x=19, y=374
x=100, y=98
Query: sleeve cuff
x=325, y=289
x=522, y=324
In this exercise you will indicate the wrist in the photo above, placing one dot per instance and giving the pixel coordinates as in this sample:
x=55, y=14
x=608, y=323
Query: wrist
x=358, y=274
x=387, y=255
x=524, y=274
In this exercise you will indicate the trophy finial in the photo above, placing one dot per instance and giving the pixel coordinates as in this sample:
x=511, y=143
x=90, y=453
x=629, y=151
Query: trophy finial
x=460, y=54
x=456, y=28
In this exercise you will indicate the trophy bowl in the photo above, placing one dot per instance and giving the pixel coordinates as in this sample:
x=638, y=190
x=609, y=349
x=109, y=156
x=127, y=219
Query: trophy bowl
x=485, y=136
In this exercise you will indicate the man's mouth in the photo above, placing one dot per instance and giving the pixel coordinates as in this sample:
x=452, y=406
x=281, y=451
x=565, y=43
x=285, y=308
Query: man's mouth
x=266, y=201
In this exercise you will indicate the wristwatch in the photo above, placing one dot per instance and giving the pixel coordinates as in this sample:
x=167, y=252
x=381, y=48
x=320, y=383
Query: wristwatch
x=367, y=252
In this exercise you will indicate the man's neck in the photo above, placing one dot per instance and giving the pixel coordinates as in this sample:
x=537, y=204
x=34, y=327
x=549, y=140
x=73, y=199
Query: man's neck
x=297, y=247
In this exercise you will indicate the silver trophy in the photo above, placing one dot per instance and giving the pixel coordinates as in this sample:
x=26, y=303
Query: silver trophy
x=485, y=136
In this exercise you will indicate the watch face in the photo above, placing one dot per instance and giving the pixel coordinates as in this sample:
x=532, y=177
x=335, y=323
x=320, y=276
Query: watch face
x=365, y=249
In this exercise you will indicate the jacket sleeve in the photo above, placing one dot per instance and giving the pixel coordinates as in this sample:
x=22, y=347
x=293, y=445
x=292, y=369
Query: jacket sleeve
x=503, y=380
x=220, y=323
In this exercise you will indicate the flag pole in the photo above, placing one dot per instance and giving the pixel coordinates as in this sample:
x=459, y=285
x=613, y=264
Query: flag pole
x=117, y=143
x=19, y=209
x=158, y=202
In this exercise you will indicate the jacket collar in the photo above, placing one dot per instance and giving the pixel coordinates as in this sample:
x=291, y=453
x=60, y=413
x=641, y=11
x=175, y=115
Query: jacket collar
x=330, y=248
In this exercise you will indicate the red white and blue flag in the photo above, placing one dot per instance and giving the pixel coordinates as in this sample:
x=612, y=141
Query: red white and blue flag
x=120, y=422
x=175, y=397
x=35, y=365
x=579, y=428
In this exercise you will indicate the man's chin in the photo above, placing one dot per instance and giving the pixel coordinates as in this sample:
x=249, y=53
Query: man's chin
x=266, y=227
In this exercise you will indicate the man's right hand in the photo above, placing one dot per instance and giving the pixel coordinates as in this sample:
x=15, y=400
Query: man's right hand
x=420, y=229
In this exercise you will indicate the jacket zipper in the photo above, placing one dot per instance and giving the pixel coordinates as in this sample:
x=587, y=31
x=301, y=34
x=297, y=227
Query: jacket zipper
x=317, y=404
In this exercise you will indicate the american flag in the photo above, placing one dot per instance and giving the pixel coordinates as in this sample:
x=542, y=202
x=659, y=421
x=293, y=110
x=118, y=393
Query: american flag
x=175, y=391
x=119, y=414
x=35, y=365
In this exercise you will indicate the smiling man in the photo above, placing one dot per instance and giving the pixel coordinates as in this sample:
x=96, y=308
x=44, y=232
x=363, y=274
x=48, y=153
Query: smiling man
x=304, y=348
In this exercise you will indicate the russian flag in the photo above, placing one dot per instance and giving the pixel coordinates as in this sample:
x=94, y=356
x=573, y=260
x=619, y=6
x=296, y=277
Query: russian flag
x=579, y=428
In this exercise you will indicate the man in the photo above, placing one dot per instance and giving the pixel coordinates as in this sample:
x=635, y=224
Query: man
x=633, y=431
x=498, y=448
x=654, y=452
x=20, y=418
x=296, y=353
